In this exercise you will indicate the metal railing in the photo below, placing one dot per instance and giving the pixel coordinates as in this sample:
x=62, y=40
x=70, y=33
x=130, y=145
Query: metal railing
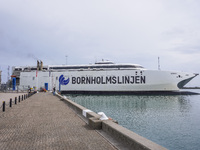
x=6, y=88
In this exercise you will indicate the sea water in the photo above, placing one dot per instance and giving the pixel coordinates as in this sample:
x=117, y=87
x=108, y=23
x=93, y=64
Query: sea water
x=170, y=121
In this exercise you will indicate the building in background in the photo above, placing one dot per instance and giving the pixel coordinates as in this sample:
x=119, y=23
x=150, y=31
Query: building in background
x=0, y=78
x=17, y=70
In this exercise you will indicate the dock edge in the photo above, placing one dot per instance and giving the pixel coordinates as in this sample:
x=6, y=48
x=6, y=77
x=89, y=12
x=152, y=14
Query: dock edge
x=124, y=136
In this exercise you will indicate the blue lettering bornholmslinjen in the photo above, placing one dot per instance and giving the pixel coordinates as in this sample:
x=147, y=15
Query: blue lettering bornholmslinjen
x=109, y=80
x=62, y=80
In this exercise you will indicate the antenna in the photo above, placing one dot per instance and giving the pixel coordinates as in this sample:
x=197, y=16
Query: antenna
x=66, y=59
x=158, y=63
x=8, y=73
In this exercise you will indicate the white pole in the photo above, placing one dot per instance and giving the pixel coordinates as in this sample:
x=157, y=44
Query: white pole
x=37, y=80
x=158, y=63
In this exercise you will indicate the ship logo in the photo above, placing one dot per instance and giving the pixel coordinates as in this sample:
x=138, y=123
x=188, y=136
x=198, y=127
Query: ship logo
x=62, y=80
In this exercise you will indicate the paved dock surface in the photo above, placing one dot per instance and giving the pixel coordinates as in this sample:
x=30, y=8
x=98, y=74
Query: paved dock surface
x=6, y=96
x=45, y=122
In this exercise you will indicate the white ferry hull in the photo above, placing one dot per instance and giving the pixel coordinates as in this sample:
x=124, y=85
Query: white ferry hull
x=151, y=81
x=108, y=81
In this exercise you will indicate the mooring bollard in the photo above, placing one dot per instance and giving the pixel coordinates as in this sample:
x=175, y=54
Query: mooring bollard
x=15, y=100
x=19, y=99
x=11, y=102
x=4, y=106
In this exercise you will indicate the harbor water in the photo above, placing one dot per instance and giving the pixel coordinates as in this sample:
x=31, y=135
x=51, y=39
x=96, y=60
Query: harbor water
x=170, y=121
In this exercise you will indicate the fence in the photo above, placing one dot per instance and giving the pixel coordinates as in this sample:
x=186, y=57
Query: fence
x=6, y=88
x=16, y=100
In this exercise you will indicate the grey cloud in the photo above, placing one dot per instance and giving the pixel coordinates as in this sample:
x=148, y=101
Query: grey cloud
x=122, y=31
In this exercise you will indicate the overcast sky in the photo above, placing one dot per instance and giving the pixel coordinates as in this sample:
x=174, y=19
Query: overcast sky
x=124, y=31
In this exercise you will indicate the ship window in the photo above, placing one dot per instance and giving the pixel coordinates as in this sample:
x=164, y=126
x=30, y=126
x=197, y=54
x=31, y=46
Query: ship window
x=18, y=69
x=96, y=67
x=33, y=68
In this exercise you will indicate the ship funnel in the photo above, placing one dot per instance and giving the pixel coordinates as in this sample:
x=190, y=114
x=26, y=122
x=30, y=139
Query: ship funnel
x=39, y=65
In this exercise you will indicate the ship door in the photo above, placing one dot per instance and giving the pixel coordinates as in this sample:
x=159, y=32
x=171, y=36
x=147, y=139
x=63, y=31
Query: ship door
x=46, y=86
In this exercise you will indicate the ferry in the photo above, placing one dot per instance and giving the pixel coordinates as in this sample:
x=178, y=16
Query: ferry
x=104, y=77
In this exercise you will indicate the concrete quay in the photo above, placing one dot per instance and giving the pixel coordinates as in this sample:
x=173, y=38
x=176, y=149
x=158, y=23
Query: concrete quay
x=43, y=121
x=119, y=136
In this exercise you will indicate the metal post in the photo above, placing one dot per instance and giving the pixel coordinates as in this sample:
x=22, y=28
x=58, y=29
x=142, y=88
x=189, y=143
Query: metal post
x=11, y=102
x=22, y=97
x=4, y=106
x=19, y=99
x=15, y=100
